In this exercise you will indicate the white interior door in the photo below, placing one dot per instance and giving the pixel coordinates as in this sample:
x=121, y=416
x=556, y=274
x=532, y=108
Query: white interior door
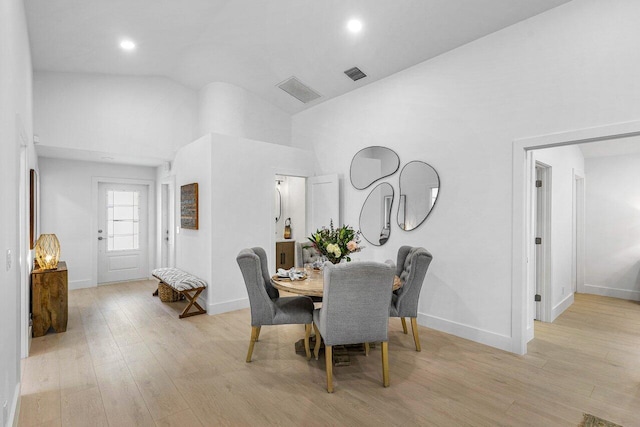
x=578, y=232
x=542, y=241
x=122, y=234
x=323, y=199
x=164, y=227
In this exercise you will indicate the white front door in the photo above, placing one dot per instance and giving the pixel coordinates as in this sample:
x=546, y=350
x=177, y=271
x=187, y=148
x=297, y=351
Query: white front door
x=123, y=252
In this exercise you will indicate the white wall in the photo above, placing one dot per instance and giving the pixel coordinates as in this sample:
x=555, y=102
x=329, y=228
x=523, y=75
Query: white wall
x=563, y=161
x=67, y=209
x=230, y=110
x=612, y=226
x=573, y=67
x=235, y=208
x=16, y=130
x=192, y=164
x=138, y=116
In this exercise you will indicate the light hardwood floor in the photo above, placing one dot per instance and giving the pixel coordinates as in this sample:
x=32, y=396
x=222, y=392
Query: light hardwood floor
x=126, y=359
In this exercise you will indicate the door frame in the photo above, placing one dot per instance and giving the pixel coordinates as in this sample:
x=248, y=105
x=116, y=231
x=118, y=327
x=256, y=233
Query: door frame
x=151, y=218
x=521, y=193
x=284, y=171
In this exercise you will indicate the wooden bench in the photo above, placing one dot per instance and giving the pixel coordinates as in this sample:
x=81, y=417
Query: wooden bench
x=186, y=284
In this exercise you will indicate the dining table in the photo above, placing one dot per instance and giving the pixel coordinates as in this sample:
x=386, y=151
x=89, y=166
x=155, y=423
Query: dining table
x=311, y=285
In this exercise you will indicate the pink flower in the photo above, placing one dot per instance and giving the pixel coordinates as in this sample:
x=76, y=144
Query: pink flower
x=352, y=246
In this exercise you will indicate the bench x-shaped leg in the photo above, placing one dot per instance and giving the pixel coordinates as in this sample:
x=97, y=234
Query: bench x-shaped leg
x=193, y=301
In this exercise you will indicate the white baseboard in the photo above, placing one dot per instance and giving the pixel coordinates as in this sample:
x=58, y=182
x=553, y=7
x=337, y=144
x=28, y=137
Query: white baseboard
x=612, y=292
x=14, y=414
x=492, y=339
x=561, y=307
x=223, y=307
x=81, y=284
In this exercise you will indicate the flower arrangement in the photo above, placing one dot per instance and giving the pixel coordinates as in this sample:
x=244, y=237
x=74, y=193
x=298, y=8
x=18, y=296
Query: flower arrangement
x=336, y=243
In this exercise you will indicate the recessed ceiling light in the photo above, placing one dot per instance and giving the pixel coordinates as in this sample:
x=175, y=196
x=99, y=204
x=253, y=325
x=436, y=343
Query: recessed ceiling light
x=354, y=25
x=127, y=45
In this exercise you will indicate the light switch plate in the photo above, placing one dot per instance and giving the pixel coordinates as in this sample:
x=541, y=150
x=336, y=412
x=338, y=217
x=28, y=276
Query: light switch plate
x=9, y=259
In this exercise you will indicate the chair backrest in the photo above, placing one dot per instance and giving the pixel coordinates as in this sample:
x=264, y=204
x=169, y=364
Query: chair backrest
x=251, y=263
x=355, y=302
x=264, y=267
x=307, y=254
x=412, y=266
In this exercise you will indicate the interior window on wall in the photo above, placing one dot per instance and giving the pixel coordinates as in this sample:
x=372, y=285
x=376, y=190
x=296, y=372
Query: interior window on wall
x=123, y=210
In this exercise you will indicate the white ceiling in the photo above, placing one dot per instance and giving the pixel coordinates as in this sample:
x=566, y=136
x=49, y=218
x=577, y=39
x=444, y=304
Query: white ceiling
x=256, y=44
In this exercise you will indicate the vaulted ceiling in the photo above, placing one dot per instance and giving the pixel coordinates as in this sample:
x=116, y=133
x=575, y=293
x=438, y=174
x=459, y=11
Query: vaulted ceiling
x=256, y=44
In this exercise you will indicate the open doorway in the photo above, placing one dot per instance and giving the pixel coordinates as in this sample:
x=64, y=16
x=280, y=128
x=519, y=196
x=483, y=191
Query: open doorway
x=290, y=218
x=523, y=276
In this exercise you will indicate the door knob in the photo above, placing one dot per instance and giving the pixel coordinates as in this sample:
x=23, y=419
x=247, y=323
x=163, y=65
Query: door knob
x=100, y=238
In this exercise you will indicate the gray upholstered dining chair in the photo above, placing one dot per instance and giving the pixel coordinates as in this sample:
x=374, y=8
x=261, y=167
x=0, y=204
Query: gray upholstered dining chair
x=412, y=266
x=306, y=254
x=267, y=307
x=355, y=309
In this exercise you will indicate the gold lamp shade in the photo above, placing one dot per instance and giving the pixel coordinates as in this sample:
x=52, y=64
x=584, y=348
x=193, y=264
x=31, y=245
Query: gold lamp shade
x=48, y=251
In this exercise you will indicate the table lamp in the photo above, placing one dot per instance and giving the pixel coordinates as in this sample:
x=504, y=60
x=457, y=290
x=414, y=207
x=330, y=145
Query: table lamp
x=48, y=251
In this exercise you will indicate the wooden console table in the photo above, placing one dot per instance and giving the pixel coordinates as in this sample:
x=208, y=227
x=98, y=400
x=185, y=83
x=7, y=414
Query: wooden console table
x=49, y=296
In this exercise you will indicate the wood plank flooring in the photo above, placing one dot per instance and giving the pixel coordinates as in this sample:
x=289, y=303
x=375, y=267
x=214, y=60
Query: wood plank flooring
x=127, y=360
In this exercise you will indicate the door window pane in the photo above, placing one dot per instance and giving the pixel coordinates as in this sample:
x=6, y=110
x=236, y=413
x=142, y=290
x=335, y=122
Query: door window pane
x=123, y=212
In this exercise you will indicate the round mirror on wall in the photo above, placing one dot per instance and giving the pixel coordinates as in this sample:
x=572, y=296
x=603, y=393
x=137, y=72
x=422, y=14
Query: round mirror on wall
x=375, y=216
x=419, y=185
x=371, y=164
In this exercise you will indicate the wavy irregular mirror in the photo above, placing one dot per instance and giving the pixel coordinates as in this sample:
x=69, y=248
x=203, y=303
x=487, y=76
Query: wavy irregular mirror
x=278, y=205
x=375, y=216
x=371, y=164
x=419, y=185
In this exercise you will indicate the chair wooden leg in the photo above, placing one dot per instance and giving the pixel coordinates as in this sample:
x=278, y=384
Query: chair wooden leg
x=258, y=333
x=385, y=363
x=414, y=329
x=328, y=354
x=404, y=325
x=255, y=330
x=316, y=349
x=366, y=349
x=307, y=333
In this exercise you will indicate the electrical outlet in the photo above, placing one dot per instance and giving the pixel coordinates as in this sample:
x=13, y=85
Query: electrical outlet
x=9, y=259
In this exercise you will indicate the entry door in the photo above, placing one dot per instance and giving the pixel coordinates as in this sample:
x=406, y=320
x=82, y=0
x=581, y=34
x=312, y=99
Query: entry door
x=123, y=252
x=323, y=198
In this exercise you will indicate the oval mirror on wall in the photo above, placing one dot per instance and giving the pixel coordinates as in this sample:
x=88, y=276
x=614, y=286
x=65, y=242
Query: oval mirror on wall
x=375, y=216
x=278, y=205
x=371, y=164
x=419, y=186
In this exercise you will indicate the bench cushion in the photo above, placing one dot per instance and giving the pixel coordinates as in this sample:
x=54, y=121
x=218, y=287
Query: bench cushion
x=178, y=279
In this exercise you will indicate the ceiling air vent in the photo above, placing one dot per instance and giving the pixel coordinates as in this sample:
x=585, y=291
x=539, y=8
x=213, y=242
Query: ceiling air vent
x=355, y=73
x=299, y=90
